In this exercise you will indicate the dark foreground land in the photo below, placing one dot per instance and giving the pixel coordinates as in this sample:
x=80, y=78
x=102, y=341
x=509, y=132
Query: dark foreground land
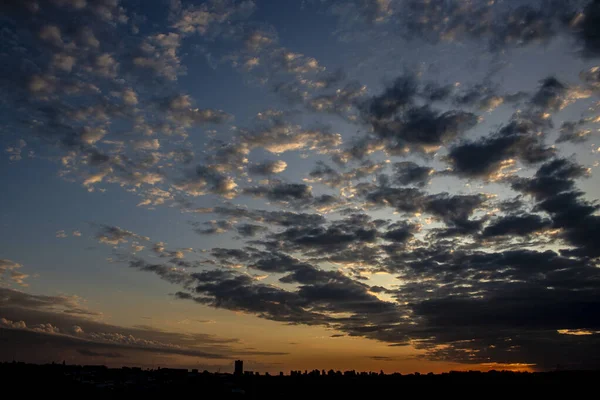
x=60, y=379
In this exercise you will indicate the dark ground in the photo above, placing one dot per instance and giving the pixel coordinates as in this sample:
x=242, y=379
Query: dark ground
x=30, y=379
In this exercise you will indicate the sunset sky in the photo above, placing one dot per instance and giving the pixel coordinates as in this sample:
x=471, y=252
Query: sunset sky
x=397, y=185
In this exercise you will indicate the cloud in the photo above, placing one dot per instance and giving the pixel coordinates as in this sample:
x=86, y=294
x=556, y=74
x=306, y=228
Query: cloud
x=554, y=95
x=105, y=65
x=400, y=233
x=38, y=320
x=382, y=358
x=516, y=225
x=114, y=235
x=281, y=218
x=402, y=124
x=279, y=136
x=46, y=328
x=10, y=269
x=215, y=227
x=591, y=77
x=15, y=151
x=5, y=323
x=59, y=304
x=327, y=175
x=487, y=157
x=268, y=168
x=454, y=210
x=407, y=173
x=250, y=230
x=63, y=62
x=498, y=26
x=202, y=19
x=52, y=35
x=281, y=192
x=77, y=4
x=553, y=186
x=339, y=102
x=158, y=53
x=588, y=29
x=571, y=132
x=445, y=251
x=207, y=179
x=180, y=109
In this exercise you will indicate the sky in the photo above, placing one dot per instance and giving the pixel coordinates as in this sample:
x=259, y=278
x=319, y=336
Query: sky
x=397, y=185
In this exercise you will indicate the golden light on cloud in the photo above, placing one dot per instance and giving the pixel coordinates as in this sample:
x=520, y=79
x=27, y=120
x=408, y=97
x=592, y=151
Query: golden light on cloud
x=577, y=332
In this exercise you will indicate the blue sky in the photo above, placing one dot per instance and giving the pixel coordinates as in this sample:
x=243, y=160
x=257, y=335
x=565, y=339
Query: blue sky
x=307, y=184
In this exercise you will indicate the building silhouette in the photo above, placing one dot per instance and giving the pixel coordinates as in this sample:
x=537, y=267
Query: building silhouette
x=239, y=367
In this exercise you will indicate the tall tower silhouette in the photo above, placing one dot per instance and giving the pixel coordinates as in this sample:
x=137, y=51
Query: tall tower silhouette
x=239, y=367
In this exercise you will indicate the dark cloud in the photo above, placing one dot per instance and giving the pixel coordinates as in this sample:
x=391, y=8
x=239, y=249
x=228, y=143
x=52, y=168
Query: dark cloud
x=454, y=210
x=588, y=29
x=503, y=298
x=284, y=192
x=573, y=132
x=250, y=230
x=408, y=172
x=400, y=233
x=37, y=327
x=325, y=174
x=332, y=238
x=224, y=289
x=489, y=155
x=281, y=218
x=552, y=178
x=422, y=128
x=402, y=199
x=553, y=186
x=399, y=96
x=433, y=92
x=551, y=95
x=517, y=225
